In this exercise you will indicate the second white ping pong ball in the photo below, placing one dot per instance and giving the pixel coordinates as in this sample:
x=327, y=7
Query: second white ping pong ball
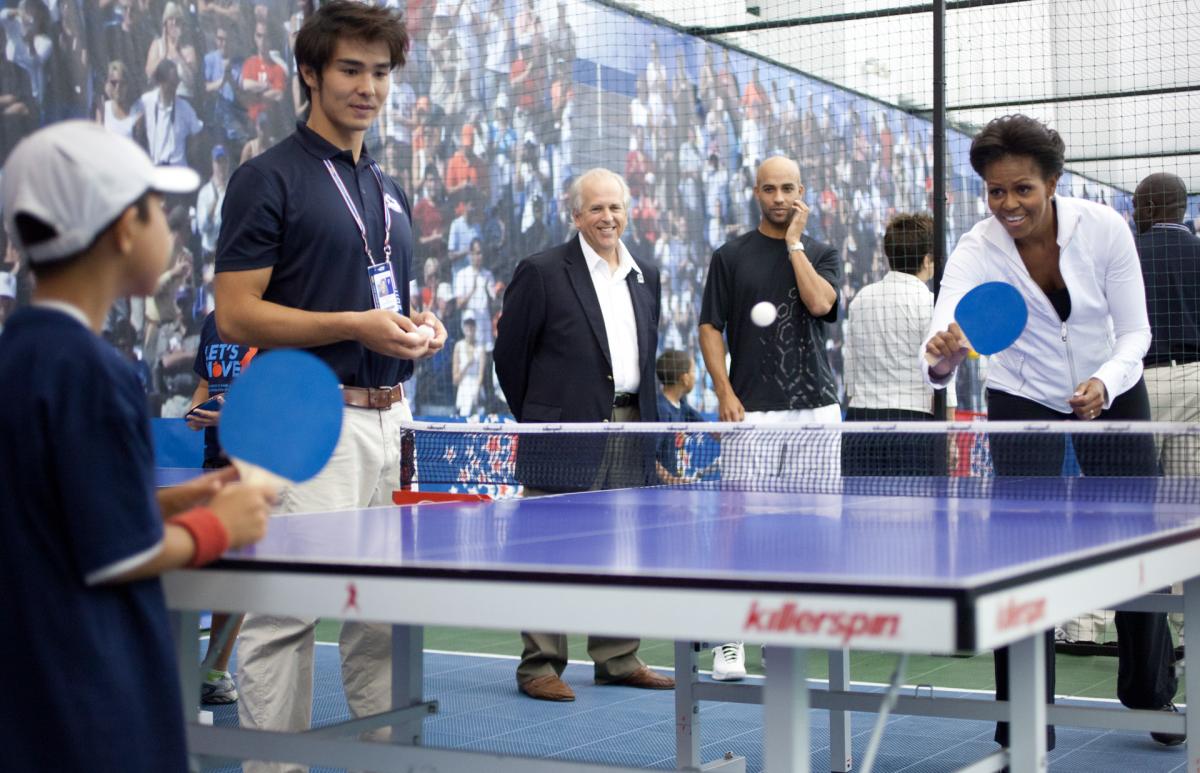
x=762, y=313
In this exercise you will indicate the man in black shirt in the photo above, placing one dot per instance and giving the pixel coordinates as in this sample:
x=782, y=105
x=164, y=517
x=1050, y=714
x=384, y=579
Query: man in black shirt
x=779, y=369
x=1170, y=257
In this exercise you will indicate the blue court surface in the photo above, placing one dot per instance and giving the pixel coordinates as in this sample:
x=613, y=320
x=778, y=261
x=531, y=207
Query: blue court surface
x=481, y=710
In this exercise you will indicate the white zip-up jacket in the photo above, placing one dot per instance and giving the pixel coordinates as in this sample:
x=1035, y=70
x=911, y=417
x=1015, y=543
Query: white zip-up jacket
x=1107, y=332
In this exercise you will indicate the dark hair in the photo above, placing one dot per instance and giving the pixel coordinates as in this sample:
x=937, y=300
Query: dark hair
x=33, y=230
x=1018, y=135
x=1159, y=198
x=42, y=19
x=908, y=239
x=165, y=71
x=179, y=219
x=347, y=20
x=671, y=365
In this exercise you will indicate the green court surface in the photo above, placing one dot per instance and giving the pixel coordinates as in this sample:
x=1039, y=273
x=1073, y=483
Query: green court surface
x=1080, y=676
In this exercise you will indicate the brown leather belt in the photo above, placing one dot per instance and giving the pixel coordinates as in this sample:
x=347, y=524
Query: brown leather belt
x=379, y=399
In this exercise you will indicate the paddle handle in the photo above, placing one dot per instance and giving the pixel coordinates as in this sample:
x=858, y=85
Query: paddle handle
x=258, y=476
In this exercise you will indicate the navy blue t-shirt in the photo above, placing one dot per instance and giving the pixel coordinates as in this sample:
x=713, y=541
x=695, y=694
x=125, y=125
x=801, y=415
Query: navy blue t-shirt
x=668, y=452
x=676, y=414
x=97, y=688
x=219, y=364
x=283, y=210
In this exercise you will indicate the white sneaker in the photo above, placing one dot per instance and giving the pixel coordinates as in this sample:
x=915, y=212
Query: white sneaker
x=729, y=662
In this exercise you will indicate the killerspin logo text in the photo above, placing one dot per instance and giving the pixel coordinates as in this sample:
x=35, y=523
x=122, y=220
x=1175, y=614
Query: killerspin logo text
x=839, y=624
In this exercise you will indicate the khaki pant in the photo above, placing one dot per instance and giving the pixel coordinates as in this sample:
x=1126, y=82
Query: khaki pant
x=275, y=653
x=1175, y=396
x=546, y=653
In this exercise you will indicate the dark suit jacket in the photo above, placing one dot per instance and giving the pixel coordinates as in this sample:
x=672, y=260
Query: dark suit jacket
x=552, y=356
x=1170, y=259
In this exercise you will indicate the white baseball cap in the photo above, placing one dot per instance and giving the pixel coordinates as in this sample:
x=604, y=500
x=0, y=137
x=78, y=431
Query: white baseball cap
x=77, y=177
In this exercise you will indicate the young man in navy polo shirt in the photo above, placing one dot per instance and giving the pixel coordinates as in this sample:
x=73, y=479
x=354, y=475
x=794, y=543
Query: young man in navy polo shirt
x=85, y=538
x=315, y=253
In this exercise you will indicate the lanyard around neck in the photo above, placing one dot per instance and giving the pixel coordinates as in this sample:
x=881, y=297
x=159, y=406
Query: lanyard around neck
x=358, y=221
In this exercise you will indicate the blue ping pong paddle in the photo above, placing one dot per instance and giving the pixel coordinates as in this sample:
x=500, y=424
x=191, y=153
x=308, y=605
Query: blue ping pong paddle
x=282, y=418
x=992, y=316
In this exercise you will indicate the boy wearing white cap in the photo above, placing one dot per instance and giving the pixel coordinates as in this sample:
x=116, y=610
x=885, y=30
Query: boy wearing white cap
x=85, y=532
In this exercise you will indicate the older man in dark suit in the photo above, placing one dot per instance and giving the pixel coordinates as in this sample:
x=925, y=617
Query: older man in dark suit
x=576, y=343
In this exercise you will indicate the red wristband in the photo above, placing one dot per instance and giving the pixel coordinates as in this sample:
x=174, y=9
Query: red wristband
x=207, y=531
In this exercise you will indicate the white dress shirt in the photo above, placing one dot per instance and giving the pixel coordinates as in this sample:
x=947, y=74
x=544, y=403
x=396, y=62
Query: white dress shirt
x=168, y=127
x=886, y=323
x=617, y=307
x=209, y=200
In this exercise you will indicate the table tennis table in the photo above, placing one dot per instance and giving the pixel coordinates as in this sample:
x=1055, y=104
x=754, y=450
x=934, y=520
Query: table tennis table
x=173, y=476
x=952, y=571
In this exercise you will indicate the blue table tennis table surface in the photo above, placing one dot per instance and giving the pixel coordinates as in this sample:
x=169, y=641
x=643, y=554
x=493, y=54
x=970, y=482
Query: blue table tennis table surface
x=173, y=476
x=786, y=541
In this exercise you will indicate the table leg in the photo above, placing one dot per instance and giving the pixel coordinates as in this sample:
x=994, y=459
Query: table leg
x=687, y=708
x=841, y=758
x=1191, y=673
x=785, y=712
x=185, y=628
x=1027, y=705
x=185, y=625
x=408, y=673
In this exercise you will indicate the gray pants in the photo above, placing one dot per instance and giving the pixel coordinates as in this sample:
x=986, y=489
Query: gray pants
x=615, y=659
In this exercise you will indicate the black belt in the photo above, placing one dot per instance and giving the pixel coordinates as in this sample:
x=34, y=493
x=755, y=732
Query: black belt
x=624, y=400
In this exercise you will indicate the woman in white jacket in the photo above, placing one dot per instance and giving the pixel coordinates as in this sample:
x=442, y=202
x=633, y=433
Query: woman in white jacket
x=1079, y=357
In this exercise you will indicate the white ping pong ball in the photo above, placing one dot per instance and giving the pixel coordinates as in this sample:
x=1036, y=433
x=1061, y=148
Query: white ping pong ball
x=763, y=313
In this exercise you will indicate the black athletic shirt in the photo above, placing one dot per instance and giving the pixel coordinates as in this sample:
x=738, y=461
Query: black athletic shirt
x=782, y=366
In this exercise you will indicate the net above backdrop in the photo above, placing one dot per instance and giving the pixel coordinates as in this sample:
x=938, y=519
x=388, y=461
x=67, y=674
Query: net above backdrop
x=503, y=103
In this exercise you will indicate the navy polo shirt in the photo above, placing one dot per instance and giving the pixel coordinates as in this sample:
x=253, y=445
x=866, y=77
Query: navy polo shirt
x=98, y=689
x=283, y=210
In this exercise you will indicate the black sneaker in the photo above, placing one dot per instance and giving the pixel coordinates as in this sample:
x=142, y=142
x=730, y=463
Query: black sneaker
x=1169, y=739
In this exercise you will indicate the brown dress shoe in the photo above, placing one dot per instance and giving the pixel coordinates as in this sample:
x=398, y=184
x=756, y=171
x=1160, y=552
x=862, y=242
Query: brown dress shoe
x=646, y=680
x=547, y=688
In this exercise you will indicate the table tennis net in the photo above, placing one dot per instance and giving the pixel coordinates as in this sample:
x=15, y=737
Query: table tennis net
x=1151, y=462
